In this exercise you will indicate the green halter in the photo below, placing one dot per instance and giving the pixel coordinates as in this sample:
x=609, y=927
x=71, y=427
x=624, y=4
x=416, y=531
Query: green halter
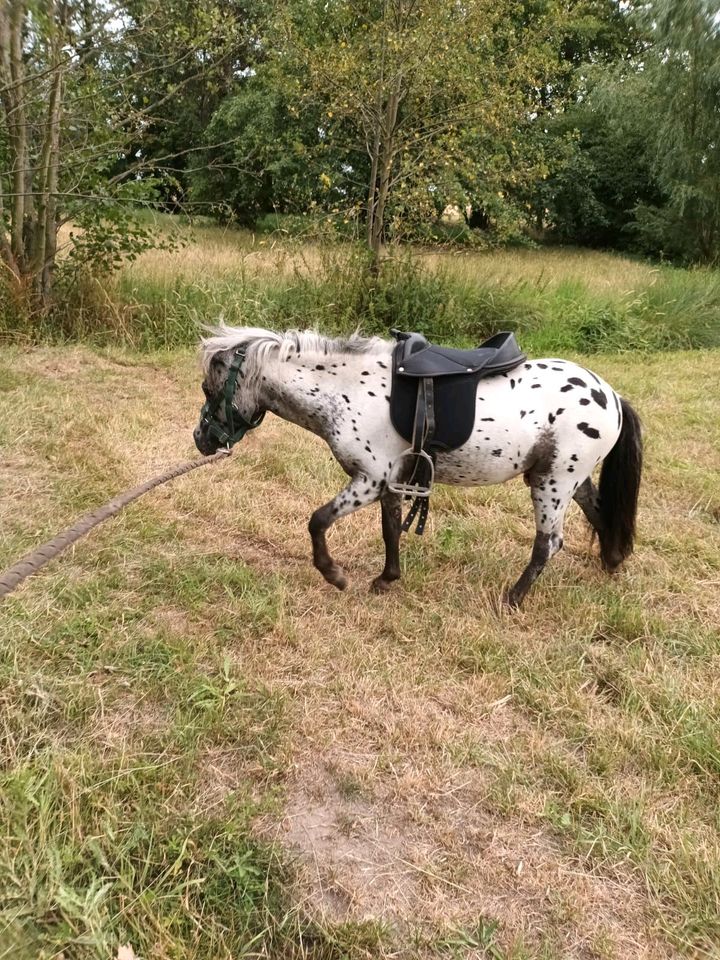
x=235, y=426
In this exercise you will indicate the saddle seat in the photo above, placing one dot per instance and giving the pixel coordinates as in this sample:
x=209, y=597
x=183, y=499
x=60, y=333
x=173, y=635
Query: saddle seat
x=432, y=405
x=415, y=357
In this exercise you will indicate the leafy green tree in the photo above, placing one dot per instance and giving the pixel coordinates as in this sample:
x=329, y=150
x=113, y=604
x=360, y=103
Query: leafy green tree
x=407, y=87
x=202, y=48
x=684, y=97
x=261, y=156
x=600, y=171
x=635, y=162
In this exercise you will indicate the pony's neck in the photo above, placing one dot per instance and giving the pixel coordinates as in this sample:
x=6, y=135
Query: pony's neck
x=302, y=390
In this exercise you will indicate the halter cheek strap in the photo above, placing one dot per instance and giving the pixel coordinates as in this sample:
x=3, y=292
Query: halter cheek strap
x=235, y=426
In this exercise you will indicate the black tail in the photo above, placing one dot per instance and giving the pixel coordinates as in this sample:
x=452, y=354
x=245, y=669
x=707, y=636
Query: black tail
x=619, y=488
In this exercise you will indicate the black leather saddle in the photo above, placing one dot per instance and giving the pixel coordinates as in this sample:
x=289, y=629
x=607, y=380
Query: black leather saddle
x=432, y=405
x=415, y=357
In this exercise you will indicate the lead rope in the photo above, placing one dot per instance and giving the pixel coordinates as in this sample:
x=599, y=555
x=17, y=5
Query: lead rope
x=14, y=576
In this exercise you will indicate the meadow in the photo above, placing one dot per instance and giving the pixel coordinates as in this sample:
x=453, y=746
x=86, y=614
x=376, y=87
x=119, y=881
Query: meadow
x=557, y=299
x=208, y=752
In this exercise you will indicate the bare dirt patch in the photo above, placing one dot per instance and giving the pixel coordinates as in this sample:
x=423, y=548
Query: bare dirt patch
x=439, y=857
x=126, y=719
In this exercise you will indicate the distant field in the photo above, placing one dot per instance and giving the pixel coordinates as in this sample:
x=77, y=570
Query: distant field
x=556, y=299
x=213, y=253
x=207, y=752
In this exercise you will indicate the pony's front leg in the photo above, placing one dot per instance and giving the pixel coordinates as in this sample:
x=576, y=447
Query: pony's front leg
x=391, y=505
x=360, y=492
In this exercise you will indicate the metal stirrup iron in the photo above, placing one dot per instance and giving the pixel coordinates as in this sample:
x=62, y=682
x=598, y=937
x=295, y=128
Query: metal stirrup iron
x=419, y=484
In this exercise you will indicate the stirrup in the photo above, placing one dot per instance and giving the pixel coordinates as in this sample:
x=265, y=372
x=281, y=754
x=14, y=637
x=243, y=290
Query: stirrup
x=412, y=489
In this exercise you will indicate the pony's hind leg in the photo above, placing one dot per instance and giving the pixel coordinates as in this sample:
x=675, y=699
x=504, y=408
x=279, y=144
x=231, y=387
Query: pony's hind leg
x=360, y=492
x=391, y=505
x=587, y=498
x=551, y=496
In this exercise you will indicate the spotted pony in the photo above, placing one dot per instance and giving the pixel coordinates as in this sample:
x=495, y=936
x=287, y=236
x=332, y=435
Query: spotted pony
x=550, y=421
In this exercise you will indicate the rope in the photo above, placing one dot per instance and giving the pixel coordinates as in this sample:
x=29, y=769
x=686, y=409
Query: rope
x=13, y=576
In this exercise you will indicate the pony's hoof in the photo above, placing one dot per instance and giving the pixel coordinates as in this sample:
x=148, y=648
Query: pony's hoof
x=337, y=578
x=510, y=601
x=380, y=585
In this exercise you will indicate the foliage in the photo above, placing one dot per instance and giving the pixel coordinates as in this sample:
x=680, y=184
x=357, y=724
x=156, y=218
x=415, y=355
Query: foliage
x=601, y=172
x=261, y=160
x=636, y=163
x=685, y=92
x=427, y=91
x=80, y=94
x=204, y=47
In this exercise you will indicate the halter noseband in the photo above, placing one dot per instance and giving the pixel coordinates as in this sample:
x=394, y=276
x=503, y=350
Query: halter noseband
x=235, y=426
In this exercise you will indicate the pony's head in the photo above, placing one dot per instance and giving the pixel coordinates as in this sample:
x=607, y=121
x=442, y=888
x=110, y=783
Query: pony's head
x=230, y=363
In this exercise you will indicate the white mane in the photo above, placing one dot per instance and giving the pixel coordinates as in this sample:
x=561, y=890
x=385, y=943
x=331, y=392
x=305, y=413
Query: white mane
x=260, y=343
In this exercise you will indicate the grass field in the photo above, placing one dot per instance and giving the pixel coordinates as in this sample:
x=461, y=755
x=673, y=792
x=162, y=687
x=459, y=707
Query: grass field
x=207, y=752
x=557, y=299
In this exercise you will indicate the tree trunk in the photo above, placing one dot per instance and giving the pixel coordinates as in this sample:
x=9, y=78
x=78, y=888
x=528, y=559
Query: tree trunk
x=373, y=185
x=45, y=240
x=386, y=128
x=12, y=77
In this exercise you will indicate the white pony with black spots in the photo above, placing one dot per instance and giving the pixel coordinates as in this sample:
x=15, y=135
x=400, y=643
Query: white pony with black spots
x=550, y=420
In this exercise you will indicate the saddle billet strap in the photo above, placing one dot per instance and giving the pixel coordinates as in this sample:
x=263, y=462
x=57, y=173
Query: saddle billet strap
x=420, y=509
x=429, y=397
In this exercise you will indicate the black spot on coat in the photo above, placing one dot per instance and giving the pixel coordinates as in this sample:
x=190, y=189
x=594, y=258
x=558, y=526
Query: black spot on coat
x=588, y=430
x=599, y=398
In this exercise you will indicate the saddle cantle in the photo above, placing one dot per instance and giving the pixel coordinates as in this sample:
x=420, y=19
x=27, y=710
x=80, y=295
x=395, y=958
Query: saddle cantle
x=432, y=404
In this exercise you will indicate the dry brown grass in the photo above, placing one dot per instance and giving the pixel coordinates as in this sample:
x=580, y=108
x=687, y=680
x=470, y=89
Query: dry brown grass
x=219, y=255
x=226, y=255
x=442, y=762
x=601, y=273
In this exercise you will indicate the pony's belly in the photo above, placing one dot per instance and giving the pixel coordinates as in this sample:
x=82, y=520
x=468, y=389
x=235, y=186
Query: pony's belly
x=470, y=466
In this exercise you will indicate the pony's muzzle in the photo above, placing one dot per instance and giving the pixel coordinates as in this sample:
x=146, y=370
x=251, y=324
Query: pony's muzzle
x=205, y=443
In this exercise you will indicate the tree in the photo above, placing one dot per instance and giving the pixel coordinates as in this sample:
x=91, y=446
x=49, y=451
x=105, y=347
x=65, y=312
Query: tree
x=204, y=50
x=262, y=155
x=684, y=79
x=72, y=131
x=635, y=162
x=599, y=170
x=409, y=85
